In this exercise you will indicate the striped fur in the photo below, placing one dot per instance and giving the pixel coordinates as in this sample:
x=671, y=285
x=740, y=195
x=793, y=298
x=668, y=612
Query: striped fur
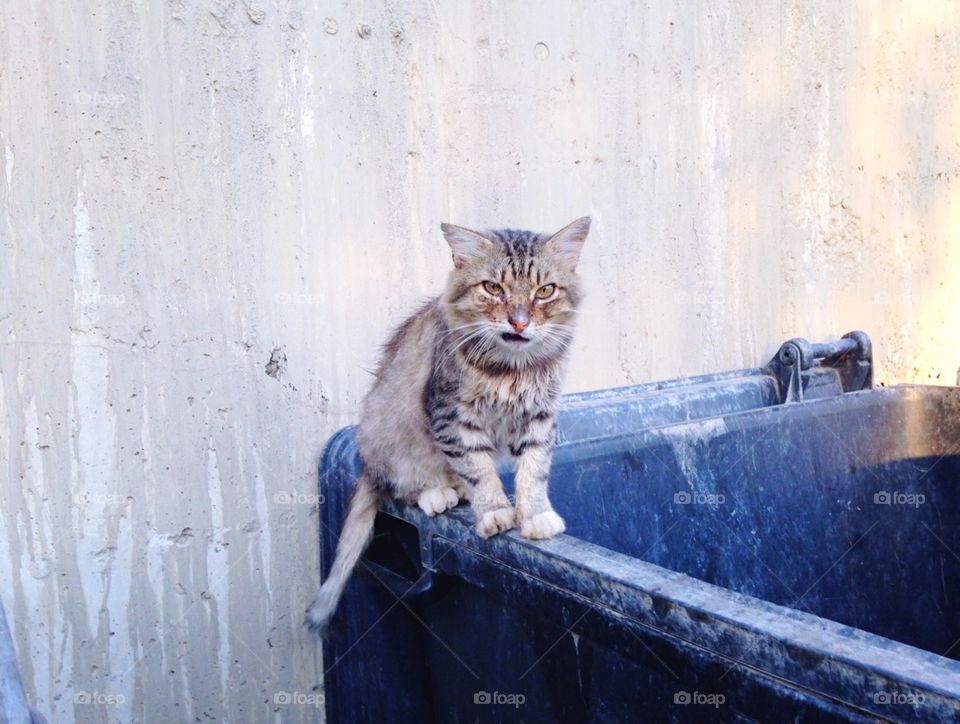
x=473, y=375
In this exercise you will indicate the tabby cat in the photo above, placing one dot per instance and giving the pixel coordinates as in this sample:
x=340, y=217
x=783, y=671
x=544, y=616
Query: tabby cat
x=473, y=375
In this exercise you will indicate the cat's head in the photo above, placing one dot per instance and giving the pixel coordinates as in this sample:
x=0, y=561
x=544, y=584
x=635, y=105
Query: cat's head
x=512, y=296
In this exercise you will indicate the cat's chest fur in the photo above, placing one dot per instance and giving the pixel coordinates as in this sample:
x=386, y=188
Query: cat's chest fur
x=504, y=404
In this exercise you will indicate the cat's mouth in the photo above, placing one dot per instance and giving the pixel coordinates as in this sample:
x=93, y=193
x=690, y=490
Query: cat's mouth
x=510, y=337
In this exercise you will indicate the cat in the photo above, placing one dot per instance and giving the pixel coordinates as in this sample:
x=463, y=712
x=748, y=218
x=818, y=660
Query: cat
x=473, y=375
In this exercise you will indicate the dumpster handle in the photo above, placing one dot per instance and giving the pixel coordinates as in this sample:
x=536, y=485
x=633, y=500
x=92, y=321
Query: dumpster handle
x=408, y=573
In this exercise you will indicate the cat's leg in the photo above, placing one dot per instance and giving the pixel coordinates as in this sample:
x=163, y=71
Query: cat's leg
x=439, y=493
x=535, y=514
x=479, y=480
x=458, y=486
x=468, y=452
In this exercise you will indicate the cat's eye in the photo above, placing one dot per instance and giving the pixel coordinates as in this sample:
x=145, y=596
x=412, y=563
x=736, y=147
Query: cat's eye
x=546, y=291
x=493, y=288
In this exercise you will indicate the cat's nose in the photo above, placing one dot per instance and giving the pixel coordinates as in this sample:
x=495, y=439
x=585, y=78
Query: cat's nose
x=519, y=318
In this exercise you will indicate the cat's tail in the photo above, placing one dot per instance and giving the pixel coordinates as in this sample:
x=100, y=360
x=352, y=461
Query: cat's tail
x=354, y=538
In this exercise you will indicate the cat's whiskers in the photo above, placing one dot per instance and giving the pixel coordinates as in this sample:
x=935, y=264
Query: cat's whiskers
x=459, y=330
x=476, y=334
x=487, y=339
x=551, y=343
x=466, y=338
x=468, y=325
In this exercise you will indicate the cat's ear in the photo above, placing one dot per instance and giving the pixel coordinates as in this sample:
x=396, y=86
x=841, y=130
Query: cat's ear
x=567, y=243
x=465, y=244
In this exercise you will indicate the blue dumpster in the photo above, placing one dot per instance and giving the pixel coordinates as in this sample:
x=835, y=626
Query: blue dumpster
x=770, y=544
x=13, y=703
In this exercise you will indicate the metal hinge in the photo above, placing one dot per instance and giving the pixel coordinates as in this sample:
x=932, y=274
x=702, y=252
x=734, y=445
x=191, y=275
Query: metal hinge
x=800, y=367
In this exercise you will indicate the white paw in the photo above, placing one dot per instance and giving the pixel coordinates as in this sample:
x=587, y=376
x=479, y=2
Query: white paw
x=495, y=521
x=542, y=525
x=453, y=498
x=437, y=500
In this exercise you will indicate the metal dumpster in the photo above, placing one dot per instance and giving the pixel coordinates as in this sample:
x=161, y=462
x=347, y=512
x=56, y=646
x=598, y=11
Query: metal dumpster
x=774, y=544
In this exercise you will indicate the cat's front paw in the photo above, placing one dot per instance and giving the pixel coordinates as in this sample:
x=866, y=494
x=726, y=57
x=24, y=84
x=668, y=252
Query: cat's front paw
x=437, y=500
x=495, y=521
x=542, y=525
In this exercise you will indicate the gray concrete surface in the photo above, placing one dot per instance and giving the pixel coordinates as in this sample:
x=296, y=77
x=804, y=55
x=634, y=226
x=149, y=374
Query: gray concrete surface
x=212, y=212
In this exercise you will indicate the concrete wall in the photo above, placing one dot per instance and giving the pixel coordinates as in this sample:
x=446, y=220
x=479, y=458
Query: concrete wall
x=211, y=213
